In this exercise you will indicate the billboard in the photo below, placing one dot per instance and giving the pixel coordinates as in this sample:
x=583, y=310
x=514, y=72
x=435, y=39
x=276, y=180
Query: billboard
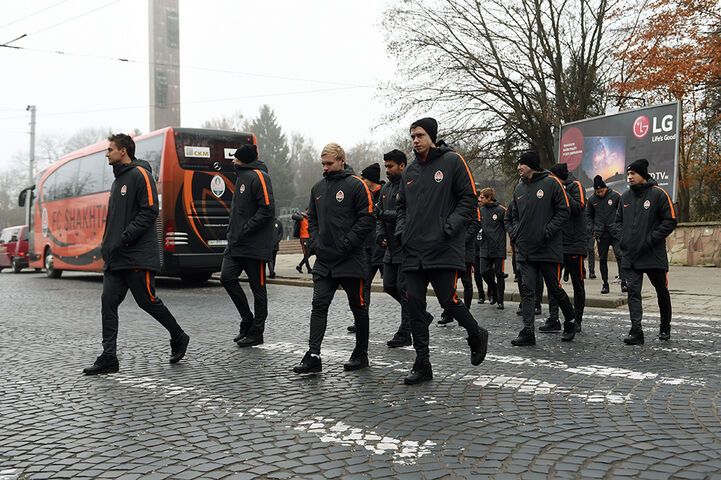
x=606, y=145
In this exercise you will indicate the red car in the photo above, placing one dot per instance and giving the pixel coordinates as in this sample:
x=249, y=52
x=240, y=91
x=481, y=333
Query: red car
x=14, y=248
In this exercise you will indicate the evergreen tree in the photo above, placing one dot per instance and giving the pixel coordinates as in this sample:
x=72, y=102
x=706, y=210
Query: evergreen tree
x=273, y=150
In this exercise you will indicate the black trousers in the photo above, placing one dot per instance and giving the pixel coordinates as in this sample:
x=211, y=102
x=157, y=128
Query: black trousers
x=538, y=286
x=604, y=242
x=479, y=280
x=493, y=273
x=372, y=271
x=272, y=263
x=141, y=284
x=551, y=273
x=324, y=289
x=394, y=284
x=659, y=280
x=306, y=254
x=255, y=269
x=444, y=284
x=573, y=264
x=591, y=251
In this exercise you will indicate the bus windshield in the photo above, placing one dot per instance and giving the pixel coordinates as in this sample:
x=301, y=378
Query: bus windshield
x=208, y=150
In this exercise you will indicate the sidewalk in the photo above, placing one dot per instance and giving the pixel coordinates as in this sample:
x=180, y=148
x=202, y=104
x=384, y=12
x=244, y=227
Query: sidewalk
x=694, y=290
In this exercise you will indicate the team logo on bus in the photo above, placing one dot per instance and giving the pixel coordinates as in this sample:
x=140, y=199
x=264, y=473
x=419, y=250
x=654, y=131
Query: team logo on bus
x=647, y=204
x=340, y=196
x=123, y=190
x=438, y=177
x=610, y=202
x=242, y=188
x=495, y=216
x=539, y=193
x=217, y=186
x=45, y=223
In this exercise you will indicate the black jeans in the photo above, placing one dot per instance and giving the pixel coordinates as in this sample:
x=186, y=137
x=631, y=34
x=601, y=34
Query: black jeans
x=142, y=285
x=444, y=284
x=272, y=263
x=538, y=286
x=551, y=273
x=604, y=241
x=394, y=284
x=659, y=280
x=255, y=269
x=372, y=270
x=573, y=264
x=306, y=254
x=324, y=289
x=479, y=280
x=591, y=250
x=493, y=273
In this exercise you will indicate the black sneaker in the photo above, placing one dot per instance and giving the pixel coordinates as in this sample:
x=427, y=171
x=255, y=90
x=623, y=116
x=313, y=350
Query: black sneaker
x=578, y=326
x=565, y=276
x=421, y=372
x=178, y=348
x=635, y=337
x=592, y=276
x=664, y=335
x=624, y=286
x=271, y=275
x=525, y=338
x=356, y=362
x=351, y=328
x=492, y=300
x=479, y=346
x=310, y=364
x=552, y=325
x=445, y=319
x=500, y=306
x=399, y=340
x=519, y=312
x=251, y=340
x=537, y=311
x=103, y=364
x=299, y=269
x=481, y=300
x=243, y=330
x=569, y=331
x=605, y=289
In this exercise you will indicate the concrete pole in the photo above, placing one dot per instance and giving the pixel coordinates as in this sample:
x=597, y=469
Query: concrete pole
x=32, y=109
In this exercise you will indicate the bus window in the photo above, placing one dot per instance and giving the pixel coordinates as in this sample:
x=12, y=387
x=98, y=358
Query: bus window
x=150, y=150
x=66, y=180
x=90, y=177
x=208, y=150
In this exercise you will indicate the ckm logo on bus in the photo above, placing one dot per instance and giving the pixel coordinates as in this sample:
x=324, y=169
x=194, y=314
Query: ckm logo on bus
x=641, y=126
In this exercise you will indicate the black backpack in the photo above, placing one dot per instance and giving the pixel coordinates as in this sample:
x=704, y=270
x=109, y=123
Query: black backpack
x=296, y=229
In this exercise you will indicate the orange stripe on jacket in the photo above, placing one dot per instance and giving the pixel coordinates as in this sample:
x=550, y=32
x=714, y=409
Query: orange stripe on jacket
x=362, y=298
x=583, y=195
x=368, y=192
x=670, y=203
x=147, y=184
x=262, y=273
x=147, y=284
x=563, y=189
x=265, y=187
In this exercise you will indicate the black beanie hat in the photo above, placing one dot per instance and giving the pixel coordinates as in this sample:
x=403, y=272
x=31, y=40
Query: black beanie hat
x=560, y=170
x=531, y=159
x=247, y=153
x=372, y=172
x=396, y=156
x=429, y=125
x=598, y=182
x=640, y=166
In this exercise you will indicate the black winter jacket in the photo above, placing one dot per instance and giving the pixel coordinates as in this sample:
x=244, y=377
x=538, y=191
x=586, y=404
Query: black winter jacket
x=436, y=201
x=250, y=228
x=340, y=217
x=474, y=226
x=646, y=217
x=278, y=234
x=386, y=224
x=540, y=210
x=574, y=230
x=493, y=235
x=374, y=251
x=130, y=240
x=601, y=214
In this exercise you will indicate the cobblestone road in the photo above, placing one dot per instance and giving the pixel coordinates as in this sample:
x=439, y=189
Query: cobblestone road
x=593, y=408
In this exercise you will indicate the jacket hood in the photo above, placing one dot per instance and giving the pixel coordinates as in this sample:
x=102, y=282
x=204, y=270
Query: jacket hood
x=121, y=168
x=494, y=203
x=536, y=177
x=255, y=164
x=346, y=172
x=638, y=189
x=570, y=179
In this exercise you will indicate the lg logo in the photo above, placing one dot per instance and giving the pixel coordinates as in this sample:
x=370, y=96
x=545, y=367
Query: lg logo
x=642, y=125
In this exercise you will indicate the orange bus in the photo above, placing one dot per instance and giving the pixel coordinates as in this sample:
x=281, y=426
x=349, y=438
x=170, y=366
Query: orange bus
x=67, y=207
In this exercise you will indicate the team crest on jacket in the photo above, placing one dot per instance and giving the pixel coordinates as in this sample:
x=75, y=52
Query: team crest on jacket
x=610, y=202
x=217, y=186
x=123, y=190
x=340, y=196
x=647, y=204
x=495, y=216
x=242, y=188
x=438, y=177
x=539, y=193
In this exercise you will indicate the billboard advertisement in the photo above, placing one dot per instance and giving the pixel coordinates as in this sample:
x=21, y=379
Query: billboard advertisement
x=606, y=145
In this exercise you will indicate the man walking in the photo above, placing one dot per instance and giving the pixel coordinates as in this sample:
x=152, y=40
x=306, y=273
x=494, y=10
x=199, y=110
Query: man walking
x=493, y=244
x=340, y=217
x=601, y=211
x=436, y=200
x=302, y=221
x=250, y=243
x=574, y=249
x=647, y=217
x=130, y=252
x=277, y=237
x=540, y=209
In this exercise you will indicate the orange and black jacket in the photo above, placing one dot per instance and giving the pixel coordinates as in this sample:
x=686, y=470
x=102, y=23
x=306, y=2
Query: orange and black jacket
x=436, y=201
x=130, y=240
x=493, y=235
x=340, y=217
x=540, y=210
x=574, y=231
x=646, y=217
x=601, y=214
x=250, y=228
x=386, y=223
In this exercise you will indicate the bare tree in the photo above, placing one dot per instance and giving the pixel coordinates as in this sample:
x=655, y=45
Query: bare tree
x=234, y=121
x=500, y=68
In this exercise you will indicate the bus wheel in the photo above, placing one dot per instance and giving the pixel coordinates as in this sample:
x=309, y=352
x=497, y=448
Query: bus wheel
x=50, y=270
x=17, y=268
x=196, y=279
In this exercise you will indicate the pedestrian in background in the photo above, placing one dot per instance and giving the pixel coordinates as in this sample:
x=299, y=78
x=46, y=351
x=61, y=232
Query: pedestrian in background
x=277, y=237
x=601, y=211
x=130, y=252
x=301, y=219
x=493, y=244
